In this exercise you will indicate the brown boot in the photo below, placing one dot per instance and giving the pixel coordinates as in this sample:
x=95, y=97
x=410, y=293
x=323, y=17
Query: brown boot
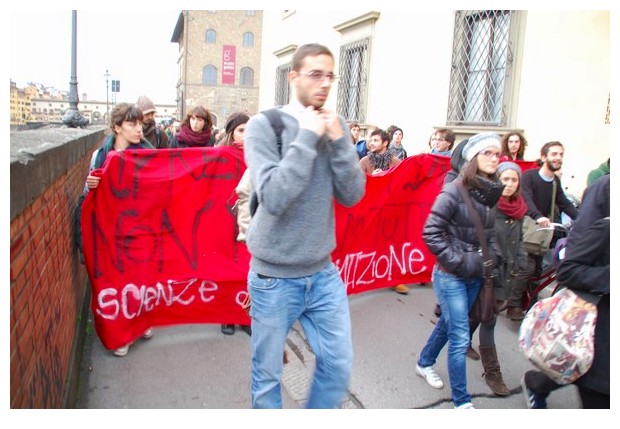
x=472, y=353
x=492, y=374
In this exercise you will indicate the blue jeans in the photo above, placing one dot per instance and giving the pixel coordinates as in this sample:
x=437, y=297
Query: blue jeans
x=320, y=304
x=456, y=296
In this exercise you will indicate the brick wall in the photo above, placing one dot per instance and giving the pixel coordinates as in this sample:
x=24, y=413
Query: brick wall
x=49, y=287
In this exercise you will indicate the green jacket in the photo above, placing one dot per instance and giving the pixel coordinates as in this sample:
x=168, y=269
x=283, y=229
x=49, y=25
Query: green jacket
x=598, y=172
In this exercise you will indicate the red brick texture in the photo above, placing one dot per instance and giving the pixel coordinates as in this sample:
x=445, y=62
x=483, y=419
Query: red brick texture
x=48, y=286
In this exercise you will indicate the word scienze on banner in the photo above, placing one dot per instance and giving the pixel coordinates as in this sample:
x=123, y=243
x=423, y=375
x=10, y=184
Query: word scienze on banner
x=159, y=237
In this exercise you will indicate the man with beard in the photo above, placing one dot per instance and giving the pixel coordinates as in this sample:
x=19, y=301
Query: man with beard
x=151, y=130
x=537, y=191
x=379, y=158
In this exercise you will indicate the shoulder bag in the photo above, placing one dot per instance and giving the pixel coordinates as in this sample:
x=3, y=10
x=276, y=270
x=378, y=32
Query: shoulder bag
x=537, y=241
x=483, y=309
x=557, y=336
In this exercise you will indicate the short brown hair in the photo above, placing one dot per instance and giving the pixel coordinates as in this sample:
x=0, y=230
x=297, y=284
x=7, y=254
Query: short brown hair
x=308, y=50
x=124, y=112
x=449, y=136
x=545, y=149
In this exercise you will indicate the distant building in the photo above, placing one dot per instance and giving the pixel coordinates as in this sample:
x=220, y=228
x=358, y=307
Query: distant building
x=37, y=103
x=21, y=107
x=219, y=65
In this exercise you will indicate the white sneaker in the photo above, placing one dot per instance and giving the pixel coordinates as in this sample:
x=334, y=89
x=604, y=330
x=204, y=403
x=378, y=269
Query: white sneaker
x=465, y=406
x=121, y=351
x=147, y=334
x=429, y=374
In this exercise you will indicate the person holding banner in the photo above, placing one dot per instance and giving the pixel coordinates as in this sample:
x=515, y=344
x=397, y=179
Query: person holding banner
x=234, y=137
x=292, y=234
x=442, y=142
x=126, y=125
x=379, y=158
x=451, y=235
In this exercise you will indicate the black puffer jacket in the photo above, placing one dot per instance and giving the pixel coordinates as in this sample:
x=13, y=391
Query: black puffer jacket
x=451, y=236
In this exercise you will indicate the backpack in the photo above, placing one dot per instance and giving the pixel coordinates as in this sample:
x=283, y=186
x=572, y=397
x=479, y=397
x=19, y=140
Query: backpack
x=278, y=126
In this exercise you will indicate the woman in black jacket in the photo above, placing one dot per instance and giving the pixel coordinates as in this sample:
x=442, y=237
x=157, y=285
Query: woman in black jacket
x=451, y=236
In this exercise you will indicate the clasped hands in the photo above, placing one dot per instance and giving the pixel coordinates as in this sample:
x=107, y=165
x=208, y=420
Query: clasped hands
x=322, y=122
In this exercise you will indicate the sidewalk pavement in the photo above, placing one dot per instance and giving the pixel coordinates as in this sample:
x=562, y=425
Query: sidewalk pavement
x=198, y=367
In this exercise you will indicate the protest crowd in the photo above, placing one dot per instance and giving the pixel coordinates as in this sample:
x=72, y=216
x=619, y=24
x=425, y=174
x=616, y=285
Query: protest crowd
x=295, y=200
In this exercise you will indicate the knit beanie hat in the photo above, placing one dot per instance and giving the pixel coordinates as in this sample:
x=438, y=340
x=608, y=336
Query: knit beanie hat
x=145, y=105
x=478, y=143
x=235, y=120
x=509, y=165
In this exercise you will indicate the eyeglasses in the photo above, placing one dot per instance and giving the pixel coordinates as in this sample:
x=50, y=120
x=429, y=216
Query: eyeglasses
x=490, y=154
x=319, y=76
x=438, y=139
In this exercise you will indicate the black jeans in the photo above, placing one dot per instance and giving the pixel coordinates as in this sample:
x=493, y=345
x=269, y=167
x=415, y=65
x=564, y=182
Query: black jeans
x=592, y=399
x=540, y=384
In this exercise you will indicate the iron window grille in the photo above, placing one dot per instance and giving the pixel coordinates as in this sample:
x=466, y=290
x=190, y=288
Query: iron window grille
x=353, y=70
x=481, y=58
x=283, y=95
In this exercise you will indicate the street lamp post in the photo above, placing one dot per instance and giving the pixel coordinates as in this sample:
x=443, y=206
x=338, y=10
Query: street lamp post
x=107, y=94
x=72, y=117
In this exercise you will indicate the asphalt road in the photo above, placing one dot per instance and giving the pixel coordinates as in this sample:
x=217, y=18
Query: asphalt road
x=197, y=367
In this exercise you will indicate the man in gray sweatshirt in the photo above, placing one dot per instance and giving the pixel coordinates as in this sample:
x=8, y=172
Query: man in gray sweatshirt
x=292, y=234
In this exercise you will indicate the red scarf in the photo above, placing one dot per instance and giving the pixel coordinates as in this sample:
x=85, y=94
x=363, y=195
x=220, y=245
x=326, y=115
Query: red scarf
x=193, y=139
x=515, y=209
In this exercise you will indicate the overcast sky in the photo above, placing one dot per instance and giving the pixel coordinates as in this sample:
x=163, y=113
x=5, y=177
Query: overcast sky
x=133, y=45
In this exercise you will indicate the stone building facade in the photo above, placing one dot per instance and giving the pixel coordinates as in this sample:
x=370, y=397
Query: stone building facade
x=219, y=61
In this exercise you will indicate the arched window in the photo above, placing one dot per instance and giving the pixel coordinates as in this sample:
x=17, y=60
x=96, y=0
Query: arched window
x=248, y=40
x=209, y=75
x=211, y=36
x=246, y=77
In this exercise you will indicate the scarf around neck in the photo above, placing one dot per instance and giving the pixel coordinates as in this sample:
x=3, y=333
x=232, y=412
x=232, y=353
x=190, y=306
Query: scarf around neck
x=515, y=209
x=108, y=145
x=381, y=161
x=191, y=138
x=487, y=192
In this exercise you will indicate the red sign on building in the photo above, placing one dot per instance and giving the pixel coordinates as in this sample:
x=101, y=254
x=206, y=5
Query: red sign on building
x=229, y=60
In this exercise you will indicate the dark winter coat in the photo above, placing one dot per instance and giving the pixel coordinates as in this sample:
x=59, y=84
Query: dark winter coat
x=155, y=136
x=585, y=270
x=509, y=237
x=451, y=236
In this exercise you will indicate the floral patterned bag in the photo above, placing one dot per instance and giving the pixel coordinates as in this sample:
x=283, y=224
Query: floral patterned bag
x=557, y=336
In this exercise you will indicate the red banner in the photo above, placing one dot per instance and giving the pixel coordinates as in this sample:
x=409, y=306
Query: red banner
x=380, y=239
x=159, y=241
x=159, y=237
x=229, y=62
